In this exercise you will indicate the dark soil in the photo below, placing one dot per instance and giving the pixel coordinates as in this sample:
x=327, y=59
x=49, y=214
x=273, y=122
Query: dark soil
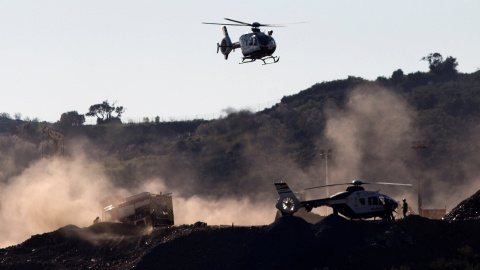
x=288, y=243
x=467, y=209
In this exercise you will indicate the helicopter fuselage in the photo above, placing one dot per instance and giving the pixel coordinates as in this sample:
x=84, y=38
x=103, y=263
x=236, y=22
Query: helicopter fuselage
x=354, y=203
x=256, y=45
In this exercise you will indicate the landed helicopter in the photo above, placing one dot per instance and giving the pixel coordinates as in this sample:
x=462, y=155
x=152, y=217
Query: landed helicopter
x=255, y=45
x=354, y=203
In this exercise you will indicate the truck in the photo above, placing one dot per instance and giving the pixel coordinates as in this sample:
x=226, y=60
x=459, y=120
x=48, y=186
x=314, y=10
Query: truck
x=143, y=209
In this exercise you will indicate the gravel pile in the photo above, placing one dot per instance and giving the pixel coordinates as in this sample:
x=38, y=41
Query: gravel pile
x=467, y=209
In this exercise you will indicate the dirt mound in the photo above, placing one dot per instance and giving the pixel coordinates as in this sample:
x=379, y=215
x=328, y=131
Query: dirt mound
x=467, y=209
x=290, y=226
x=280, y=245
x=113, y=228
x=204, y=248
x=285, y=245
x=288, y=243
x=102, y=245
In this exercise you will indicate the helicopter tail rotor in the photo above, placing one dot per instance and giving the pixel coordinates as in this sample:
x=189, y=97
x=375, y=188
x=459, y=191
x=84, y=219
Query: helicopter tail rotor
x=287, y=202
x=225, y=45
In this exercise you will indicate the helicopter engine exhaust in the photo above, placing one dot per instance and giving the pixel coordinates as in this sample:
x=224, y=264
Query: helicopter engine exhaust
x=225, y=45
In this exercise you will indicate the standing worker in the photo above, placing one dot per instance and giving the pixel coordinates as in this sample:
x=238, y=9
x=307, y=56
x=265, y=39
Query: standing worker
x=405, y=208
x=388, y=211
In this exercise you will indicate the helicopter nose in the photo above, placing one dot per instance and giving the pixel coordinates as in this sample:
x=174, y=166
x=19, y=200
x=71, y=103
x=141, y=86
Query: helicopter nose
x=271, y=45
x=394, y=204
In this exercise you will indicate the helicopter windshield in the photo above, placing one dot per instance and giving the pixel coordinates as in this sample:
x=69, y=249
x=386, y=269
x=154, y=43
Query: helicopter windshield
x=264, y=40
x=381, y=200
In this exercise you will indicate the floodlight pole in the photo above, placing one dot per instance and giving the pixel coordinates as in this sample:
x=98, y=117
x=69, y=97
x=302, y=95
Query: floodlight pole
x=326, y=154
x=418, y=146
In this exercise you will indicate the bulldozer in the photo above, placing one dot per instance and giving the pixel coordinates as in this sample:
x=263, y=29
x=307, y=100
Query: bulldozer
x=143, y=209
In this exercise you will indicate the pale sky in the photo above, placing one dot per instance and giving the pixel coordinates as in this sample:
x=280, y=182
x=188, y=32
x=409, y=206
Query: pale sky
x=155, y=58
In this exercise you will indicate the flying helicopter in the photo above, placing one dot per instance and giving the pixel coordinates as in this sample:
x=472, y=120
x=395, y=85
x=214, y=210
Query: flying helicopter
x=354, y=203
x=255, y=45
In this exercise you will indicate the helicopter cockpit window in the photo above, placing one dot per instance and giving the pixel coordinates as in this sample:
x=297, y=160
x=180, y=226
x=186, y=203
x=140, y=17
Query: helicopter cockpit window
x=362, y=201
x=252, y=41
x=381, y=200
x=373, y=201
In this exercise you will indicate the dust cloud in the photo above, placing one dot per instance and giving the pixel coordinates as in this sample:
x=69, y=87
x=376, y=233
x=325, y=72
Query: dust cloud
x=371, y=138
x=214, y=211
x=374, y=126
x=55, y=192
x=461, y=168
x=223, y=212
x=49, y=194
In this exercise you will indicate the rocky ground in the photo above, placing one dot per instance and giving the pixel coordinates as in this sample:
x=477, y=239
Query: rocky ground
x=288, y=243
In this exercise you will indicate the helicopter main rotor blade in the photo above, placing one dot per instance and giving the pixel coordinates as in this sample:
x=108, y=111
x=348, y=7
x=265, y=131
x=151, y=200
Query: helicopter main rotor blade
x=331, y=185
x=230, y=24
x=255, y=24
x=288, y=23
x=359, y=183
x=238, y=21
x=272, y=25
x=390, y=184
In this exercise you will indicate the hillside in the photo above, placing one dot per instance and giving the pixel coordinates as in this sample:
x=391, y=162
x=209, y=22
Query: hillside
x=218, y=168
x=284, y=141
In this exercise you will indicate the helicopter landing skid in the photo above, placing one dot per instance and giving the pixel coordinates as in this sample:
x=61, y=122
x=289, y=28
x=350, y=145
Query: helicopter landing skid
x=250, y=60
x=275, y=59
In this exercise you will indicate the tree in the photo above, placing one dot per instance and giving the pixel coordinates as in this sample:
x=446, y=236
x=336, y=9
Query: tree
x=103, y=112
x=450, y=65
x=434, y=59
x=5, y=115
x=397, y=76
x=439, y=67
x=72, y=119
x=18, y=116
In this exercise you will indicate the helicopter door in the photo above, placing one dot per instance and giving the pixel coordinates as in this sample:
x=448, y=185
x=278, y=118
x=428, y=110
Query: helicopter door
x=372, y=200
x=361, y=204
x=249, y=44
x=356, y=202
x=361, y=201
x=252, y=41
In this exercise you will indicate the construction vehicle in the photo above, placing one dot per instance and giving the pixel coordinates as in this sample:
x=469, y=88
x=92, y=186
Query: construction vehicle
x=57, y=138
x=143, y=209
